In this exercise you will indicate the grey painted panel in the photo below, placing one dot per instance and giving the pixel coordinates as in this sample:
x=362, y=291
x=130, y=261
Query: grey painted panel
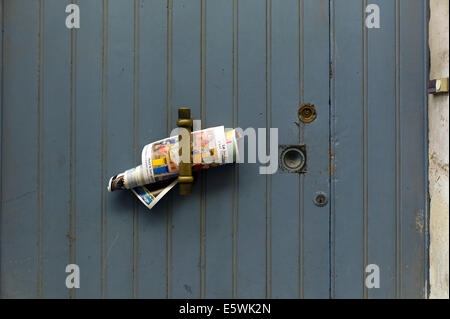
x=381, y=100
x=284, y=96
x=240, y=234
x=118, y=149
x=412, y=139
x=151, y=105
x=347, y=254
x=252, y=211
x=315, y=90
x=56, y=163
x=218, y=109
x=379, y=80
x=87, y=184
x=185, y=74
x=19, y=212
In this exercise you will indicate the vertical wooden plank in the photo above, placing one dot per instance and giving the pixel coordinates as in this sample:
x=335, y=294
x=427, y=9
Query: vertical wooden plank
x=185, y=267
x=315, y=90
x=235, y=170
x=218, y=110
x=2, y=82
x=348, y=158
x=93, y=97
x=384, y=210
x=412, y=147
x=20, y=149
x=119, y=110
x=284, y=43
x=55, y=141
x=252, y=209
x=381, y=108
x=87, y=126
x=151, y=71
x=203, y=175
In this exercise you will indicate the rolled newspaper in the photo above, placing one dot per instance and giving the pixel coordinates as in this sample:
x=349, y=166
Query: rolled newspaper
x=210, y=147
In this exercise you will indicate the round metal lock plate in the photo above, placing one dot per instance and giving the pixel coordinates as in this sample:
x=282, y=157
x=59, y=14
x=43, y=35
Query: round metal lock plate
x=307, y=113
x=292, y=159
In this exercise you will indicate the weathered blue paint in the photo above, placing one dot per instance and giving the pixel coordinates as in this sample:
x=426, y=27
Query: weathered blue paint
x=378, y=94
x=78, y=106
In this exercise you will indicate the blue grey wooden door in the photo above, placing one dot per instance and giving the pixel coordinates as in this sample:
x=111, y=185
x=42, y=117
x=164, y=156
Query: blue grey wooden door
x=78, y=106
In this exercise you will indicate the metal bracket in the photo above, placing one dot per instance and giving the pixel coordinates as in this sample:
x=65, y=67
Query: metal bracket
x=438, y=86
x=185, y=178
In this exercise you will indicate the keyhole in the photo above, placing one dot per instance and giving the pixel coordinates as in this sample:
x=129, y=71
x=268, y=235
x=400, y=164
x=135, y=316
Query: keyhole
x=320, y=199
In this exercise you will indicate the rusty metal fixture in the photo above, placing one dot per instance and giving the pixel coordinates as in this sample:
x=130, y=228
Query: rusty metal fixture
x=307, y=113
x=185, y=178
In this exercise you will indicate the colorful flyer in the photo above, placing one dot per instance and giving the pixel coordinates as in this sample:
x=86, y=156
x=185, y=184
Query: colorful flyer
x=160, y=159
x=160, y=162
x=150, y=199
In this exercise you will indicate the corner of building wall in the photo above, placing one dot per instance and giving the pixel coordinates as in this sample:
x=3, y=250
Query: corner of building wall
x=438, y=152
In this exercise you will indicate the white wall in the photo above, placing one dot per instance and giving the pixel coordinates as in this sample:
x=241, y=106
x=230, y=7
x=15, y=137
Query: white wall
x=438, y=109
